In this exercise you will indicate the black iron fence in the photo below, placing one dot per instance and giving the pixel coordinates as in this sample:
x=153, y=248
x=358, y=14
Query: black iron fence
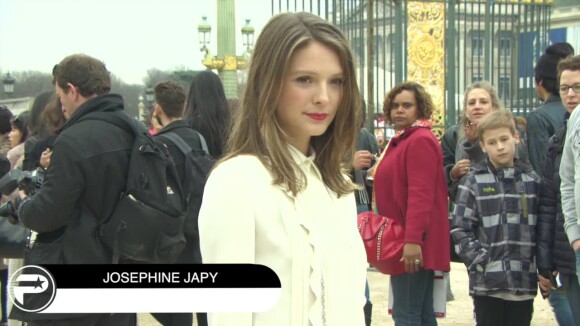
x=498, y=41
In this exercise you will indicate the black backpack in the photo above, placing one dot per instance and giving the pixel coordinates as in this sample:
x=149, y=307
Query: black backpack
x=197, y=166
x=147, y=223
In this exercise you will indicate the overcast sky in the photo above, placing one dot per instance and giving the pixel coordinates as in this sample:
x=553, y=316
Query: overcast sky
x=130, y=36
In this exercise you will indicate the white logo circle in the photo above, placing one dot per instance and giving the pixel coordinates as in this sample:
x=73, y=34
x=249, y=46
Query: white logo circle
x=35, y=282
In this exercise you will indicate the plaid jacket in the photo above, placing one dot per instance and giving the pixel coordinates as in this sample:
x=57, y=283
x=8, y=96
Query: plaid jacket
x=493, y=229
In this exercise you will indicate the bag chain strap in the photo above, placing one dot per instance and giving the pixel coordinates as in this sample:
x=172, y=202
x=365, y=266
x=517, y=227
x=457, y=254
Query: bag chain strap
x=373, y=203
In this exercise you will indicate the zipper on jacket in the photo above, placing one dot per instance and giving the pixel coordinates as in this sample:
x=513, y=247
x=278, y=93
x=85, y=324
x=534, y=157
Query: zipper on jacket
x=524, y=204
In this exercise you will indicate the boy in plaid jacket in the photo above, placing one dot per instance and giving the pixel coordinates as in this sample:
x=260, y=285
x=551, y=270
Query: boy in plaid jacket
x=494, y=224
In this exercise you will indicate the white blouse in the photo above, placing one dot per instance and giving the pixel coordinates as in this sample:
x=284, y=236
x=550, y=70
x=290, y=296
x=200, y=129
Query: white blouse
x=311, y=241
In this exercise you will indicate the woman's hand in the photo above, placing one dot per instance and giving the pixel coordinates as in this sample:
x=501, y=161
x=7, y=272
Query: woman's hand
x=576, y=245
x=45, y=158
x=460, y=169
x=412, y=257
x=471, y=132
x=362, y=160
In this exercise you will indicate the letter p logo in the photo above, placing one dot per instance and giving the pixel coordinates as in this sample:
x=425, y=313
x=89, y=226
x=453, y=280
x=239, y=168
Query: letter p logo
x=32, y=288
x=29, y=283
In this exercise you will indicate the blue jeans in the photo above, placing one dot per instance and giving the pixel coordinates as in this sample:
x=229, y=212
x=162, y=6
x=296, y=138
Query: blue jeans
x=574, y=291
x=413, y=299
x=561, y=306
x=361, y=208
x=367, y=291
x=578, y=266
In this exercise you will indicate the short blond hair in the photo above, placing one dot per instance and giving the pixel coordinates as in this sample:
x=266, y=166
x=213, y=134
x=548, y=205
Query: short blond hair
x=495, y=120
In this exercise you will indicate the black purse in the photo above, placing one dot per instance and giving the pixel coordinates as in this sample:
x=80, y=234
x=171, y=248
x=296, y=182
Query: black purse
x=13, y=239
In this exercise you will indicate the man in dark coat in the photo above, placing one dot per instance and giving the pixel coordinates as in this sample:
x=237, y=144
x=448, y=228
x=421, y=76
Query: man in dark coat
x=74, y=198
x=548, y=118
x=555, y=257
x=170, y=101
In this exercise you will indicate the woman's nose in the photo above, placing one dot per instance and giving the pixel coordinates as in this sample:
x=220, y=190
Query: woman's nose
x=321, y=96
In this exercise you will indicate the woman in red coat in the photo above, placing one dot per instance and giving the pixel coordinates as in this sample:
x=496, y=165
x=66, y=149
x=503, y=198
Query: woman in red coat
x=410, y=185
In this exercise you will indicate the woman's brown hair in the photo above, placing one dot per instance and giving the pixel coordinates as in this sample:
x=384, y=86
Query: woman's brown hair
x=256, y=131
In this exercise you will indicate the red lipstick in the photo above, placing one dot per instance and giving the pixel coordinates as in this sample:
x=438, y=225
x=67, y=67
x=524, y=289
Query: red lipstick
x=317, y=116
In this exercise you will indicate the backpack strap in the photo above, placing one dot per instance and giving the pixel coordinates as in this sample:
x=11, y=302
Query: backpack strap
x=177, y=141
x=125, y=123
x=185, y=149
x=182, y=145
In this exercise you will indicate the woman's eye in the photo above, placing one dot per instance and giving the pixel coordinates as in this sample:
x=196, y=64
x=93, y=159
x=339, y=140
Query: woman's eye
x=304, y=79
x=338, y=81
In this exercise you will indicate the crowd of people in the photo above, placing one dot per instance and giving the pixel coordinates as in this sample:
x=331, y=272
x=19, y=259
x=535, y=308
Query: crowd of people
x=295, y=166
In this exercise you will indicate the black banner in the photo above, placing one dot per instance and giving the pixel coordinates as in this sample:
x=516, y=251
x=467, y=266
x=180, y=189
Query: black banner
x=163, y=276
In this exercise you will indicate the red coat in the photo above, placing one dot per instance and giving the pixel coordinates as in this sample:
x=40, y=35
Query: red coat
x=410, y=183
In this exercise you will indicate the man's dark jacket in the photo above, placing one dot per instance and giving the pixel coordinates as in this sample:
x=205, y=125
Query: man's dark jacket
x=541, y=125
x=87, y=173
x=554, y=252
x=191, y=253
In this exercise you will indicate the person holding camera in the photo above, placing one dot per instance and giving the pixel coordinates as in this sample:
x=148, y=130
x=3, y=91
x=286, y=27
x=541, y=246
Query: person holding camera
x=5, y=128
x=74, y=199
x=17, y=136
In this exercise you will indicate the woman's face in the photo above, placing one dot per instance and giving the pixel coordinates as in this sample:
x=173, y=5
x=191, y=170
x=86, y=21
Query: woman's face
x=15, y=137
x=404, y=110
x=311, y=94
x=478, y=104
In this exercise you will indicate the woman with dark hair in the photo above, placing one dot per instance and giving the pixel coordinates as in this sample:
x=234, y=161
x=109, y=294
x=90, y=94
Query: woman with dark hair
x=409, y=186
x=17, y=136
x=49, y=121
x=5, y=119
x=42, y=124
x=207, y=110
x=35, y=124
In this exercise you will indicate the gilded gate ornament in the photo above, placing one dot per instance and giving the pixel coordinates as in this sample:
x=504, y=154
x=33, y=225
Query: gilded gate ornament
x=426, y=49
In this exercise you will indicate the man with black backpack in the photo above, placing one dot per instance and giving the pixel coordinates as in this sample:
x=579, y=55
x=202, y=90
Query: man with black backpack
x=192, y=163
x=88, y=171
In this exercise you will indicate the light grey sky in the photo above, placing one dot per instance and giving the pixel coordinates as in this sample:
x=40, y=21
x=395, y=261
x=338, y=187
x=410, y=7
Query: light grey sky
x=130, y=36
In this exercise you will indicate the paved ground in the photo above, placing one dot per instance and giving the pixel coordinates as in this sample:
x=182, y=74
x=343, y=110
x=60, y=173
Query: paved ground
x=459, y=312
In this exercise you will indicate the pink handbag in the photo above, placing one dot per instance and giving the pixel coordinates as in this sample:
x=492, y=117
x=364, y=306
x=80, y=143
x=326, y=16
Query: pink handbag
x=384, y=239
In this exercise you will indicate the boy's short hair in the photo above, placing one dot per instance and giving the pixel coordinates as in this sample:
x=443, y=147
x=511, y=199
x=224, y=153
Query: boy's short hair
x=170, y=95
x=495, y=120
